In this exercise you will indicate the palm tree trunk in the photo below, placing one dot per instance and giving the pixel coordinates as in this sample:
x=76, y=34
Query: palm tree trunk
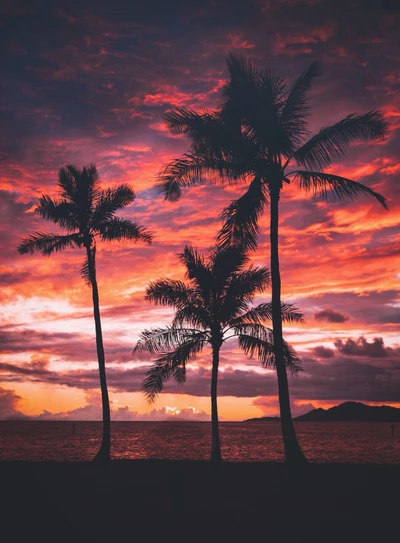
x=293, y=452
x=216, y=457
x=104, y=451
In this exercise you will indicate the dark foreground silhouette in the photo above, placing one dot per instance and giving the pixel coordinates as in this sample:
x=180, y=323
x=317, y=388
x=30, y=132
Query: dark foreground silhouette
x=87, y=213
x=213, y=307
x=194, y=501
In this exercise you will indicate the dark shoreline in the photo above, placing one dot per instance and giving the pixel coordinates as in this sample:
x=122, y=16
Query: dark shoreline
x=191, y=500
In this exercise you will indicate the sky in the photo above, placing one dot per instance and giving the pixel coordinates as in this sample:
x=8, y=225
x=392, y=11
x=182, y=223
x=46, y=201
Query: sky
x=89, y=82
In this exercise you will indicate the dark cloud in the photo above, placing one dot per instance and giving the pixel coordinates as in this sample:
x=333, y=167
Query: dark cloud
x=64, y=346
x=368, y=308
x=329, y=315
x=339, y=377
x=323, y=352
x=9, y=401
x=361, y=347
x=13, y=277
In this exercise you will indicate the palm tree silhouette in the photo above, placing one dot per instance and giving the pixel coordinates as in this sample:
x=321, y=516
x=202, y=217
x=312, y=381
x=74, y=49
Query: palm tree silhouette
x=258, y=131
x=86, y=212
x=212, y=308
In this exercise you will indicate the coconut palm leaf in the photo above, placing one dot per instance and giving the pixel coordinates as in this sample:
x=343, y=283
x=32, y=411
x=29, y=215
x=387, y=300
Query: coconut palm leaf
x=169, y=365
x=322, y=184
x=264, y=350
x=110, y=201
x=181, y=120
x=158, y=340
x=118, y=229
x=61, y=211
x=241, y=217
x=331, y=142
x=263, y=312
x=67, y=183
x=168, y=292
x=198, y=271
x=296, y=108
x=252, y=345
x=226, y=262
x=194, y=314
x=48, y=243
x=247, y=283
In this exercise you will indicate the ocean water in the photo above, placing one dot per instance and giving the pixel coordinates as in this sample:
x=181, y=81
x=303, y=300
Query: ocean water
x=349, y=442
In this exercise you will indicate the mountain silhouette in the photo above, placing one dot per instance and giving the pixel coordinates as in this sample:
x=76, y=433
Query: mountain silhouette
x=347, y=411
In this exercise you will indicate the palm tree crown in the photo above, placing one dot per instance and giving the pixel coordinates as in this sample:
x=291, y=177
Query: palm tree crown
x=258, y=132
x=214, y=307
x=86, y=212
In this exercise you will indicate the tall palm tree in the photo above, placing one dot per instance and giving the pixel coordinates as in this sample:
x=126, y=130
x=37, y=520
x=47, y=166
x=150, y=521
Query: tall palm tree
x=87, y=213
x=258, y=132
x=212, y=308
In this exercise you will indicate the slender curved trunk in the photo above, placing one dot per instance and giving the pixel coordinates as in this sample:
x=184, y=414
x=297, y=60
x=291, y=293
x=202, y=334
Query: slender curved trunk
x=293, y=452
x=104, y=451
x=216, y=457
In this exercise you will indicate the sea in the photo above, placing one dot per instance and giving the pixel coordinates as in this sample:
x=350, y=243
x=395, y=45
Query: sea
x=347, y=442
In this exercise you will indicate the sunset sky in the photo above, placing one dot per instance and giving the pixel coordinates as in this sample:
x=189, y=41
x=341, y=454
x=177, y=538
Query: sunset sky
x=88, y=82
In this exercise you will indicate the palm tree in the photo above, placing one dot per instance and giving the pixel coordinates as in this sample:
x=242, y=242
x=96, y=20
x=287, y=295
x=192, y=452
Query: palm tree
x=212, y=308
x=86, y=212
x=260, y=130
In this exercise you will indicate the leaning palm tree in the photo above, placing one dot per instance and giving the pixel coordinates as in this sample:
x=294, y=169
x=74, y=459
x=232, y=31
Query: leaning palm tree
x=87, y=213
x=212, y=308
x=258, y=132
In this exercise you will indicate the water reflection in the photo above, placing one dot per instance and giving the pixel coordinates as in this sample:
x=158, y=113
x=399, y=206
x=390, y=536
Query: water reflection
x=321, y=442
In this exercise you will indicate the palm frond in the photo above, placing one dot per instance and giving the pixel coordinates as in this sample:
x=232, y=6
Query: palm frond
x=332, y=141
x=253, y=345
x=66, y=182
x=182, y=120
x=158, y=340
x=193, y=313
x=168, y=292
x=48, y=243
x=88, y=183
x=263, y=312
x=253, y=99
x=249, y=282
x=169, y=365
x=293, y=362
x=198, y=271
x=323, y=184
x=240, y=292
x=258, y=342
x=195, y=169
x=295, y=110
x=118, y=229
x=62, y=212
x=226, y=262
x=182, y=172
x=110, y=201
x=241, y=217
x=241, y=69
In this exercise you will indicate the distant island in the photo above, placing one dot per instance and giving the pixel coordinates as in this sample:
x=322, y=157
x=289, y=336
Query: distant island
x=345, y=412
